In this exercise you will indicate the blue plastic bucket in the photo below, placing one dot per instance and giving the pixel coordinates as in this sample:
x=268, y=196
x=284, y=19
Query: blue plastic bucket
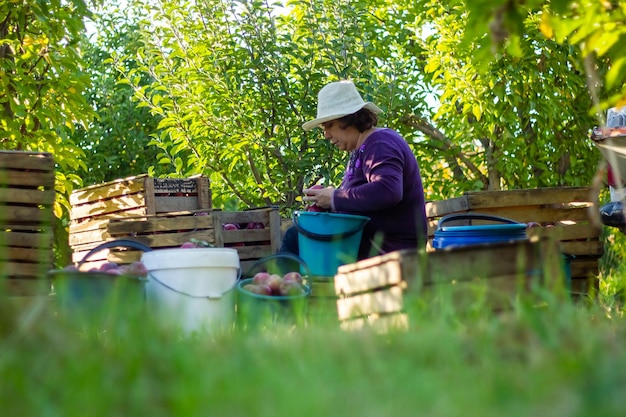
x=328, y=240
x=453, y=236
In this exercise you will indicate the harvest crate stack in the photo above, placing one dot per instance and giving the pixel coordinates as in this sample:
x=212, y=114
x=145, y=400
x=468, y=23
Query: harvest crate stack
x=130, y=215
x=378, y=291
x=370, y=293
x=562, y=211
x=26, y=217
x=140, y=197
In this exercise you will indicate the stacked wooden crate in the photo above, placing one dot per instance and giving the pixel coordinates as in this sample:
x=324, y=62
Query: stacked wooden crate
x=26, y=220
x=140, y=198
x=378, y=292
x=164, y=213
x=562, y=211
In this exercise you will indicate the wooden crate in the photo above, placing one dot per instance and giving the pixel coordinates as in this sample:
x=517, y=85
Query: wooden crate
x=374, y=291
x=158, y=231
x=139, y=196
x=26, y=221
x=251, y=244
x=562, y=211
x=170, y=230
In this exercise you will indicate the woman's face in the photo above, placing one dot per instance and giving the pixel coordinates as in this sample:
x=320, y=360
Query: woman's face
x=344, y=139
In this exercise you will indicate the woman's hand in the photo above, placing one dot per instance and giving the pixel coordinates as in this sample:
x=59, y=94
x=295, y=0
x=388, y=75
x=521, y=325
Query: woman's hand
x=322, y=197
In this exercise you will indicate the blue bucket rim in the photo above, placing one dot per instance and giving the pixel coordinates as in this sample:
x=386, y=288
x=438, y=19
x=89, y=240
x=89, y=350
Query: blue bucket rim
x=498, y=228
x=332, y=214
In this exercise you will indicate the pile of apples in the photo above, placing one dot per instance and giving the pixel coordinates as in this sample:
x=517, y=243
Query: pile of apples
x=264, y=283
x=134, y=269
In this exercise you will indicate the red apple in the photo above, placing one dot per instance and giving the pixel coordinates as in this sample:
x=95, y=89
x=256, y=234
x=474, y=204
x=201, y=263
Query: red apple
x=260, y=278
x=108, y=265
x=315, y=187
x=137, y=269
x=274, y=281
x=258, y=289
x=293, y=277
x=315, y=208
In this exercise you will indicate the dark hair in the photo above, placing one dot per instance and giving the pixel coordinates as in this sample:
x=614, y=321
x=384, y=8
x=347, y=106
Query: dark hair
x=362, y=120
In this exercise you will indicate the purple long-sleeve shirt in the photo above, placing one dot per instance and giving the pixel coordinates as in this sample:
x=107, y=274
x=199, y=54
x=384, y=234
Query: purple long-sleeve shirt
x=383, y=182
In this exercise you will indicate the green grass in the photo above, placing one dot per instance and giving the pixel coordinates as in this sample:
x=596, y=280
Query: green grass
x=556, y=358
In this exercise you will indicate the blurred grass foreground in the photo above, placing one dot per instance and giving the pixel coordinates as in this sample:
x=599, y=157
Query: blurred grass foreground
x=558, y=357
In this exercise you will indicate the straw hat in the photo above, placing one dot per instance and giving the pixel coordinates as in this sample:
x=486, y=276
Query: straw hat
x=336, y=100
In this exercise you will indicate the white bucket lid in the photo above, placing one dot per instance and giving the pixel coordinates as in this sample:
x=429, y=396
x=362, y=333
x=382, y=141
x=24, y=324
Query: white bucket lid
x=177, y=258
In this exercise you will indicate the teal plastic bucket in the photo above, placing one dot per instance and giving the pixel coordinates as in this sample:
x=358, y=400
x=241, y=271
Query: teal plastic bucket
x=259, y=310
x=454, y=236
x=97, y=297
x=328, y=240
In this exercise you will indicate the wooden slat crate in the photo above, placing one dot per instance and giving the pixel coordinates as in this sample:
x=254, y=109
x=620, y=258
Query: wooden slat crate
x=367, y=296
x=563, y=211
x=159, y=231
x=251, y=244
x=26, y=221
x=139, y=196
x=488, y=276
x=168, y=230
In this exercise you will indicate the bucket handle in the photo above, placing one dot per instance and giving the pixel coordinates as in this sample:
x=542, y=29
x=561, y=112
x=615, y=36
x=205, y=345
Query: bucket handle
x=474, y=216
x=209, y=296
x=326, y=238
x=124, y=243
x=278, y=255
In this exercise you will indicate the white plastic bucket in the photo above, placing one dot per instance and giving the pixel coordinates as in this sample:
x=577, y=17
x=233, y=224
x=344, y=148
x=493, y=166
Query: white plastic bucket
x=193, y=288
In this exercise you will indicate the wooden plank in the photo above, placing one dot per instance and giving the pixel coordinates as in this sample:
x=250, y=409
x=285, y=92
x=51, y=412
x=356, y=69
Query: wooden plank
x=149, y=197
x=89, y=225
x=117, y=227
x=164, y=240
x=21, y=179
x=275, y=230
x=119, y=206
x=566, y=232
x=43, y=239
x=204, y=193
x=24, y=270
x=96, y=192
x=27, y=255
x=253, y=252
x=443, y=207
x=25, y=215
x=385, y=301
x=24, y=287
x=372, y=273
x=88, y=237
x=592, y=247
x=98, y=256
x=539, y=196
x=166, y=204
x=37, y=161
x=27, y=196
